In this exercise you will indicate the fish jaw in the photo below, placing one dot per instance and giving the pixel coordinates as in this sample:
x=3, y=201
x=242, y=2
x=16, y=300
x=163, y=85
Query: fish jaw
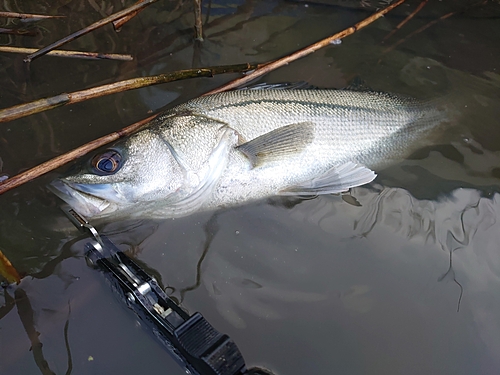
x=78, y=196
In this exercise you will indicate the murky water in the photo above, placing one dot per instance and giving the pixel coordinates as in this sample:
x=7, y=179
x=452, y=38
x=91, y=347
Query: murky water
x=402, y=276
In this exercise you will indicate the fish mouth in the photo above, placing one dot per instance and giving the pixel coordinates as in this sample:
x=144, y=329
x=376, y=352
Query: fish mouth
x=82, y=199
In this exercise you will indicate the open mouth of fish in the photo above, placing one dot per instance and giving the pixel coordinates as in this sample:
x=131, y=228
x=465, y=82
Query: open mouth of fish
x=88, y=205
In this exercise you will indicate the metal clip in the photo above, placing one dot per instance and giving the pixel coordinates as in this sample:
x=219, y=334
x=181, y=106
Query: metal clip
x=81, y=223
x=191, y=340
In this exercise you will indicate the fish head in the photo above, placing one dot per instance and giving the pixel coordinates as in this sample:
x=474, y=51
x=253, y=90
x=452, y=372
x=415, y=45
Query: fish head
x=127, y=177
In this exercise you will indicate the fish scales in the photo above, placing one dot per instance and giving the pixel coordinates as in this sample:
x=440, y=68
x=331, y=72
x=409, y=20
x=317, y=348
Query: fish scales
x=239, y=146
x=361, y=119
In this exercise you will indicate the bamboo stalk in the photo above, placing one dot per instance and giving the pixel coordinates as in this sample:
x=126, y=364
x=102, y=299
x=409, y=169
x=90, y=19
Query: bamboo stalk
x=266, y=68
x=26, y=109
x=71, y=54
x=94, y=26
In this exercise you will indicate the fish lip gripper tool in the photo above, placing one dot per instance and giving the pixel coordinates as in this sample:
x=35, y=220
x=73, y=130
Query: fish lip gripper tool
x=191, y=340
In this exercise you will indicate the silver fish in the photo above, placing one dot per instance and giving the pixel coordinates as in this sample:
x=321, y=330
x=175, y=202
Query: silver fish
x=234, y=147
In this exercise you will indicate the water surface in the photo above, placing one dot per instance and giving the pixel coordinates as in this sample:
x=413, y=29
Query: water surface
x=401, y=276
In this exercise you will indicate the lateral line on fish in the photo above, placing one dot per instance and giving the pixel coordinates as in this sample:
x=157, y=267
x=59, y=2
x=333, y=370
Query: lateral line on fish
x=303, y=103
x=271, y=101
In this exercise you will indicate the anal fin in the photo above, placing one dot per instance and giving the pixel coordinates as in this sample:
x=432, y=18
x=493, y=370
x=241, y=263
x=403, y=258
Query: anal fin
x=335, y=180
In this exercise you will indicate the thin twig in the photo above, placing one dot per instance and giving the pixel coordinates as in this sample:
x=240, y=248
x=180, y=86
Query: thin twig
x=402, y=23
x=418, y=31
x=26, y=109
x=59, y=161
x=432, y=23
x=198, y=24
x=72, y=54
x=266, y=68
x=25, y=15
x=122, y=21
x=88, y=29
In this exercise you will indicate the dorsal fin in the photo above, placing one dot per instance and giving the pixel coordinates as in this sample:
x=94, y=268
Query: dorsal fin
x=358, y=84
x=303, y=85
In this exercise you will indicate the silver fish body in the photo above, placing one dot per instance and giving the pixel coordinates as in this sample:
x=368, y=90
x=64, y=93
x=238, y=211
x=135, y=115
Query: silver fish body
x=230, y=148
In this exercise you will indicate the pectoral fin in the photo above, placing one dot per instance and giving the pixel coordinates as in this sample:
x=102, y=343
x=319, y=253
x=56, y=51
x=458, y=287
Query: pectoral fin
x=335, y=180
x=284, y=141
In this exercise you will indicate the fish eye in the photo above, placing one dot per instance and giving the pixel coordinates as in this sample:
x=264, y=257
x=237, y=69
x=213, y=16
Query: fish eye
x=108, y=162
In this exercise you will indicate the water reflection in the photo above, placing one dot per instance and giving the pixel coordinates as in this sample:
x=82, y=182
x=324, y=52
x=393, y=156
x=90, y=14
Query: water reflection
x=463, y=224
x=450, y=223
x=262, y=262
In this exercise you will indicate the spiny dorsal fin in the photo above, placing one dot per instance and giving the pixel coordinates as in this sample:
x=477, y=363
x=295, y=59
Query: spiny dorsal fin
x=302, y=85
x=289, y=139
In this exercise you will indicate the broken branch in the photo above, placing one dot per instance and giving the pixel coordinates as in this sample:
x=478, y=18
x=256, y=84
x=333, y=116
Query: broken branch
x=88, y=29
x=25, y=15
x=198, y=24
x=122, y=21
x=26, y=109
x=72, y=54
x=402, y=23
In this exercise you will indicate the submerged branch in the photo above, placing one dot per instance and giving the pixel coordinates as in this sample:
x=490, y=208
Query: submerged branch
x=432, y=23
x=26, y=109
x=418, y=31
x=122, y=21
x=402, y=23
x=25, y=15
x=198, y=24
x=266, y=68
x=71, y=54
x=88, y=29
